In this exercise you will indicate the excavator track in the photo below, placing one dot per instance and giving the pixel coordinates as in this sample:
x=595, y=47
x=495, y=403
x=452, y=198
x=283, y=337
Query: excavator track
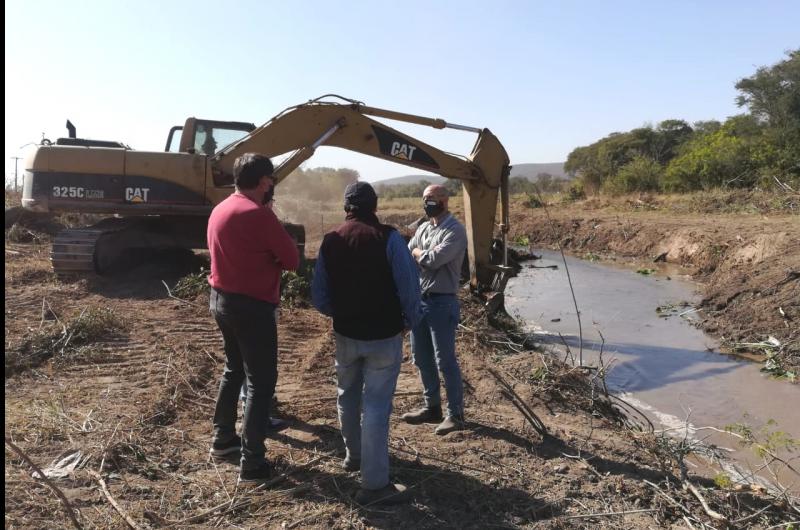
x=73, y=250
x=92, y=250
x=122, y=242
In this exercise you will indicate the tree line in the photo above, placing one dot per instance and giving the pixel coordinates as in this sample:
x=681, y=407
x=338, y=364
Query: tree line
x=545, y=182
x=758, y=148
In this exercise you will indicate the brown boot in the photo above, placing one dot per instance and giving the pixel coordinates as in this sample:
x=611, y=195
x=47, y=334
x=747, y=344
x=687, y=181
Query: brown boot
x=450, y=424
x=424, y=415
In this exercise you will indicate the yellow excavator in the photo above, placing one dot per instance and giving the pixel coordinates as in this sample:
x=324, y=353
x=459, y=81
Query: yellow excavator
x=163, y=199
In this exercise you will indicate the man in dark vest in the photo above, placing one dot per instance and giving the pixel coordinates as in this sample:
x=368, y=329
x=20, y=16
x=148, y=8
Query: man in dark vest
x=366, y=279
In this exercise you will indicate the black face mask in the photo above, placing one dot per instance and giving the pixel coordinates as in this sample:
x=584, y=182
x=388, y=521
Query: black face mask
x=433, y=208
x=268, y=195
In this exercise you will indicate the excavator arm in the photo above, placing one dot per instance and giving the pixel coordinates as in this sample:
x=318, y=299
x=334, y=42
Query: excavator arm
x=301, y=129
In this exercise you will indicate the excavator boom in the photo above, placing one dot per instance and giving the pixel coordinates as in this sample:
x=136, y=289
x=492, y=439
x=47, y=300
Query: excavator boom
x=300, y=130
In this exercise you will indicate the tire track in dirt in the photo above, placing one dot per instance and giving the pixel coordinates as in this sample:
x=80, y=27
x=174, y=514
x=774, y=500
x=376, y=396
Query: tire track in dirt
x=25, y=305
x=305, y=362
x=131, y=370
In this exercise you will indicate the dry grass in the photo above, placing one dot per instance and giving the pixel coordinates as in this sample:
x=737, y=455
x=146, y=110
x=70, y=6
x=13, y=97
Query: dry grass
x=13, y=198
x=63, y=340
x=753, y=202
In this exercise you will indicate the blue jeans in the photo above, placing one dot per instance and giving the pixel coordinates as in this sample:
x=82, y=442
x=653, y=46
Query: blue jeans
x=366, y=375
x=433, y=342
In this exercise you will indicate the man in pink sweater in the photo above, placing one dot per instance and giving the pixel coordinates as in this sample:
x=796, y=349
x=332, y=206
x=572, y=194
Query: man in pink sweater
x=249, y=249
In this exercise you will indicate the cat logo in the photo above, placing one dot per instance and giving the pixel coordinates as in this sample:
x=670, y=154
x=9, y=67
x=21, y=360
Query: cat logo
x=136, y=195
x=404, y=151
x=390, y=144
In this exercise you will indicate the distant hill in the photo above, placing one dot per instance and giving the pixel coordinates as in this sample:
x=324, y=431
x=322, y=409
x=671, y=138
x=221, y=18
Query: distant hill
x=529, y=171
x=410, y=179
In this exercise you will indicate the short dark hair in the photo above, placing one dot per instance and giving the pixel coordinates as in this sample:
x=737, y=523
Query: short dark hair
x=249, y=168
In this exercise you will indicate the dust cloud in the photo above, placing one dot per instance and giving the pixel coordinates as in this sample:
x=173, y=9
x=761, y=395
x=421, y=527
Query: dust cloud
x=313, y=198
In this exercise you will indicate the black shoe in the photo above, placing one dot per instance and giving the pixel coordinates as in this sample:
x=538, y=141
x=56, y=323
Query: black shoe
x=424, y=415
x=391, y=494
x=351, y=464
x=234, y=445
x=257, y=476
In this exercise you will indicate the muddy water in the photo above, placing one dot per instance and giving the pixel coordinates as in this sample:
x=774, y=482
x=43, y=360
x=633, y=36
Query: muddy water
x=664, y=365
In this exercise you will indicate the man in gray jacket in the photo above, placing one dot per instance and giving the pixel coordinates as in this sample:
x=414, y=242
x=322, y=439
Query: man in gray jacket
x=438, y=246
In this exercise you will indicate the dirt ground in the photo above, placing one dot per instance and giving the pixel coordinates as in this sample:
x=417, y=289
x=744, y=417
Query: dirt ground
x=137, y=404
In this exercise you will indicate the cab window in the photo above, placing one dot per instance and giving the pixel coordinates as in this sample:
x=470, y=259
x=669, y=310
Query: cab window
x=209, y=140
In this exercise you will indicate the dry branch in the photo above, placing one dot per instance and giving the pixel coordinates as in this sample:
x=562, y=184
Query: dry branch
x=508, y=392
x=131, y=523
x=609, y=514
x=169, y=293
x=711, y=513
x=46, y=480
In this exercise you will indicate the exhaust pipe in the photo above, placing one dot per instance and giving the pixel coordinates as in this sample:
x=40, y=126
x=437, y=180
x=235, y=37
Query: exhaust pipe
x=71, y=129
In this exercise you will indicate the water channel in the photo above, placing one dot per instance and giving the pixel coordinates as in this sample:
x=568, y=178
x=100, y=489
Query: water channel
x=662, y=364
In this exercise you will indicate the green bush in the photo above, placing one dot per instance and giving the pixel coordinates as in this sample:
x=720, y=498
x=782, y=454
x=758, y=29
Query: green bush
x=532, y=201
x=722, y=159
x=296, y=285
x=640, y=174
x=192, y=285
x=575, y=192
x=522, y=240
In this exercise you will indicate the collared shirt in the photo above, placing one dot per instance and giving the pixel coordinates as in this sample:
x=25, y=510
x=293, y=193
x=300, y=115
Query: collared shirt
x=249, y=247
x=404, y=273
x=443, y=247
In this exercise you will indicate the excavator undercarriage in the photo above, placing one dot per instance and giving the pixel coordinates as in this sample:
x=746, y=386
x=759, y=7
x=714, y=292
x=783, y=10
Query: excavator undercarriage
x=118, y=243
x=113, y=242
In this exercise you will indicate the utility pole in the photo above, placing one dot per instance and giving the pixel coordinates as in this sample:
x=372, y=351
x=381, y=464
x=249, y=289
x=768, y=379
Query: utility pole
x=15, y=159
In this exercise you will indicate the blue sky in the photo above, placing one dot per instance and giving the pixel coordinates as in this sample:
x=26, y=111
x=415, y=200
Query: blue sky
x=546, y=77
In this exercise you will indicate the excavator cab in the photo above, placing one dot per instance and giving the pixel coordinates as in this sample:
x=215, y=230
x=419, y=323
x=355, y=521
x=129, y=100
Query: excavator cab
x=205, y=136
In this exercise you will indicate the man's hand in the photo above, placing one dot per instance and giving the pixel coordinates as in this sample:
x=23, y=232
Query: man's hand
x=416, y=253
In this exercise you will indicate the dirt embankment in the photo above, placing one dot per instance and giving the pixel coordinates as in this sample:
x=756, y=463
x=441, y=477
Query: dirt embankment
x=747, y=263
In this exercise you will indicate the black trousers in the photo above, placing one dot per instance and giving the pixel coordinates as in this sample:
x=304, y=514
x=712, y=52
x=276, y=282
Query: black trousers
x=251, y=352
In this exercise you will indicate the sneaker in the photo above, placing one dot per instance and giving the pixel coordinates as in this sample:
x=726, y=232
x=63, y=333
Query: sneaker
x=234, y=445
x=450, y=424
x=351, y=464
x=390, y=494
x=257, y=476
x=424, y=415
